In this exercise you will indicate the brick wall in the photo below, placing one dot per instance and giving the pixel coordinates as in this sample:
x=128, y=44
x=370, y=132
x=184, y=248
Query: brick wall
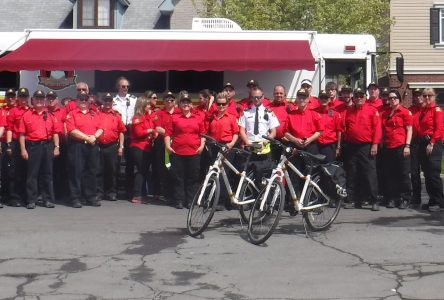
x=406, y=90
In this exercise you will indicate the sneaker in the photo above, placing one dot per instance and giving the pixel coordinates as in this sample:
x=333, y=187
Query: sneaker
x=375, y=207
x=30, y=206
x=403, y=205
x=390, y=204
x=434, y=208
x=179, y=205
x=1, y=205
x=76, y=204
x=49, y=204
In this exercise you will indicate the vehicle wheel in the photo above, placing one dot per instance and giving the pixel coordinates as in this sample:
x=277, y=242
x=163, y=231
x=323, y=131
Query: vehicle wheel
x=247, y=192
x=261, y=223
x=200, y=214
x=320, y=218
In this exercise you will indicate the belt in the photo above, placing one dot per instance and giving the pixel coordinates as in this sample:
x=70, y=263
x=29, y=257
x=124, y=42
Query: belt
x=32, y=143
x=108, y=145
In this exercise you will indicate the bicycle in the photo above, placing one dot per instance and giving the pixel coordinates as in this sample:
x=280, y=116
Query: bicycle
x=207, y=197
x=319, y=210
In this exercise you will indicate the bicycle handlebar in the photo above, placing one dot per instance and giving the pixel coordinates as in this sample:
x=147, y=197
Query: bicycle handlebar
x=224, y=148
x=315, y=157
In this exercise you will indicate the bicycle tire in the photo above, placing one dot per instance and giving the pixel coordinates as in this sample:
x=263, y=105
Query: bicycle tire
x=261, y=224
x=199, y=216
x=320, y=218
x=247, y=192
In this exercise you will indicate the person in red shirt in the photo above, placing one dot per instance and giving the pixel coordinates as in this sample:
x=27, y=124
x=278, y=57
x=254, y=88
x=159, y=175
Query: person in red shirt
x=223, y=128
x=184, y=143
x=363, y=134
x=373, y=96
x=61, y=188
x=329, y=143
x=430, y=150
x=332, y=89
x=248, y=102
x=84, y=127
x=397, y=132
x=312, y=101
x=80, y=87
x=234, y=107
x=18, y=165
x=152, y=97
x=39, y=144
x=161, y=119
x=142, y=134
x=111, y=147
x=415, y=169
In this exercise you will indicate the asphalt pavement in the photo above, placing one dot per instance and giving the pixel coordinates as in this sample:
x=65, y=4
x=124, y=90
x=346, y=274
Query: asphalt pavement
x=141, y=251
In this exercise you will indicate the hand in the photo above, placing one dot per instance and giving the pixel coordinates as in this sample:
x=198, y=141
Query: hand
x=120, y=151
x=374, y=150
x=406, y=152
x=338, y=152
x=9, y=151
x=56, y=151
x=91, y=139
x=299, y=142
x=229, y=145
x=200, y=149
x=24, y=154
x=169, y=149
x=429, y=149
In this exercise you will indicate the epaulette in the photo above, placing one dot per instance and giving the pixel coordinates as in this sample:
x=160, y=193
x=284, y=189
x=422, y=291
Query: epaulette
x=438, y=109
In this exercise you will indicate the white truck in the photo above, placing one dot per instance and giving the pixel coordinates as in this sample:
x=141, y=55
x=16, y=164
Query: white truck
x=270, y=57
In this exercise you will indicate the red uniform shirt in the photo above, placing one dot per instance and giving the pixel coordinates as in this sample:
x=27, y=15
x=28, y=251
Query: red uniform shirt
x=139, y=137
x=71, y=105
x=87, y=122
x=162, y=117
x=112, y=127
x=281, y=111
x=35, y=128
x=393, y=126
x=13, y=119
x=247, y=103
x=430, y=123
x=60, y=113
x=4, y=112
x=303, y=123
x=233, y=108
x=222, y=129
x=185, y=133
x=362, y=125
x=313, y=102
x=376, y=103
x=335, y=103
x=332, y=125
x=416, y=111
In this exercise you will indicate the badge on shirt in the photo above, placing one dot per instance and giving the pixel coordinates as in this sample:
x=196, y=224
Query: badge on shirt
x=136, y=121
x=438, y=109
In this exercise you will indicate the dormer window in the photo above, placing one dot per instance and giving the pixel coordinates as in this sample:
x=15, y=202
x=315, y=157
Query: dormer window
x=95, y=14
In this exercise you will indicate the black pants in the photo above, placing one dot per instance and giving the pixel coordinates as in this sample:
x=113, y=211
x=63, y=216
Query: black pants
x=5, y=173
x=185, y=170
x=17, y=170
x=39, y=170
x=60, y=172
x=141, y=160
x=329, y=150
x=129, y=165
x=361, y=173
x=396, y=174
x=415, y=172
x=431, y=166
x=106, y=177
x=83, y=164
x=302, y=166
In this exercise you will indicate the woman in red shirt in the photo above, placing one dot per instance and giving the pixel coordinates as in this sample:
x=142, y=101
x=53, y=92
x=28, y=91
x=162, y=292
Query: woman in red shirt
x=397, y=133
x=184, y=143
x=141, y=136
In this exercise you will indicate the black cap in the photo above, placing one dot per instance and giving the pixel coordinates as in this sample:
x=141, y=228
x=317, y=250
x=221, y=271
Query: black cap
x=417, y=91
x=228, y=84
x=302, y=92
x=385, y=91
x=346, y=88
x=82, y=95
x=23, y=92
x=10, y=92
x=323, y=94
x=107, y=97
x=38, y=94
x=252, y=82
x=372, y=84
x=185, y=97
x=168, y=96
x=359, y=91
x=51, y=94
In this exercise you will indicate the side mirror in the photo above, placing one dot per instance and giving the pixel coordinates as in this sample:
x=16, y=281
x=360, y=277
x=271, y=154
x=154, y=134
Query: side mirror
x=400, y=68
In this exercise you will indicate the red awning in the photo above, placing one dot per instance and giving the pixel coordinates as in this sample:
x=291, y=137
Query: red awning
x=159, y=55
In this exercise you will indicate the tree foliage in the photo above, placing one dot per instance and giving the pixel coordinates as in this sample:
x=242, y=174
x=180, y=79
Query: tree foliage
x=324, y=16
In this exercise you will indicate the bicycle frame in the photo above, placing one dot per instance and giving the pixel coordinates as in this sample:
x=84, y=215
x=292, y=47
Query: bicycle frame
x=218, y=168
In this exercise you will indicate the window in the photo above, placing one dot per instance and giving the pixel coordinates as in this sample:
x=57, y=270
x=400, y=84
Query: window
x=95, y=14
x=351, y=72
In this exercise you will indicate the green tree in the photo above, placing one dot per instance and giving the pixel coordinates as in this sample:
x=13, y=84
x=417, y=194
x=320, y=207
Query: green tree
x=323, y=16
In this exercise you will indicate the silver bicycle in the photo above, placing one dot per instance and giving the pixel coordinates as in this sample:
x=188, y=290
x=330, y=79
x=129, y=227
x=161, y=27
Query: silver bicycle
x=318, y=209
x=206, y=199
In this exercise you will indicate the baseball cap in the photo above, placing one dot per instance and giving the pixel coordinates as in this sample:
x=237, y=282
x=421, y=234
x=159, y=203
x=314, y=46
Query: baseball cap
x=385, y=91
x=346, y=88
x=306, y=81
x=417, y=91
x=372, y=84
x=302, y=92
x=107, y=97
x=359, y=91
x=323, y=94
x=23, y=92
x=168, y=96
x=228, y=84
x=38, y=94
x=10, y=92
x=51, y=94
x=185, y=97
x=252, y=82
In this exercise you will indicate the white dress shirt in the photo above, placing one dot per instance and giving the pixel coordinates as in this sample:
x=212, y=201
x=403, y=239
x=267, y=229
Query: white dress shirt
x=125, y=106
x=247, y=121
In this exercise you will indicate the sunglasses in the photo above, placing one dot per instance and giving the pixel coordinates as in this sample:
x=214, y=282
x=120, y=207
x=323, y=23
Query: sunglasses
x=256, y=97
x=83, y=99
x=124, y=86
x=360, y=96
x=392, y=98
x=221, y=104
x=153, y=97
x=427, y=95
x=170, y=100
x=81, y=90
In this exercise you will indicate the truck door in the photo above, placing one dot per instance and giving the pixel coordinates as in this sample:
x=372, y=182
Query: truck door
x=341, y=71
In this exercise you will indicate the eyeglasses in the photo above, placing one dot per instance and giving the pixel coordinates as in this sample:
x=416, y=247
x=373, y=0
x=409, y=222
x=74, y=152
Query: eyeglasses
x=392, y=98
x=81, y=90
x=153, y=97
x=256, y=97
x=124, y=86
x=427, y=95
x=221, y=104
x=360, y=96
x=170, y=100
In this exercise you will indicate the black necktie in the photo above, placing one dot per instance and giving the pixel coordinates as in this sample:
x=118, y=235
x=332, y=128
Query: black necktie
x=256, y=122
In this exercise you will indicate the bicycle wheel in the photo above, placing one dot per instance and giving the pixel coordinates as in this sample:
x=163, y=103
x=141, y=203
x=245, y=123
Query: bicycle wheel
x=320, y=218
x=200, y=215
x=247, y=192
x=262, y=222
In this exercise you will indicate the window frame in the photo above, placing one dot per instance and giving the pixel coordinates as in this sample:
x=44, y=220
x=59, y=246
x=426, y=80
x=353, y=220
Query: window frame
x=112, y=15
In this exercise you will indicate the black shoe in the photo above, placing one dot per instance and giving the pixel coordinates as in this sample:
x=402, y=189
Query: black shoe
x=113, y=198
x=349, y=205
x=179, y=205
x=358, y=205
x=292, y=211
x=76, y=204
x=375, y=207
x=30, y=206
x=14, y=204
x=403, y=205
x=390, y=204
x=1, y=205
x=95, y=203
x=228, y=206
x=424, y=207
x=49, y=204
x=415, y=205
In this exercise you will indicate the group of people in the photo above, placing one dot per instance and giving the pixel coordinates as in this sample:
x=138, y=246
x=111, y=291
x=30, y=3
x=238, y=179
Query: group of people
x=76, y=150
